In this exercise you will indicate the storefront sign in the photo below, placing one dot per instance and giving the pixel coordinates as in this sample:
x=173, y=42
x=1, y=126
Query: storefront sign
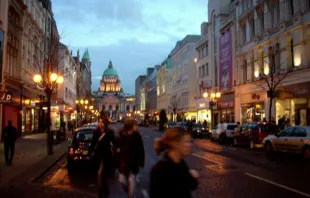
x=224, y=105
x=296, y=91
x=226, y=61
x=5, y=97
x=255, y=96
x=226, y=101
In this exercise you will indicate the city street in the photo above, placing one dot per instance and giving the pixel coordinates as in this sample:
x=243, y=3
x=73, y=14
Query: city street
x=225, y=172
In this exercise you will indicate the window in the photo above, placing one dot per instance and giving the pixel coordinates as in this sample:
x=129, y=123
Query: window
x=243, y=34
x=207, y=69
x=262, y=21
x=286, y=132
x=291, y=7
x=245, y=71
x=299, y=132
x=199, y=71
x=203, y=71
x=207, y=53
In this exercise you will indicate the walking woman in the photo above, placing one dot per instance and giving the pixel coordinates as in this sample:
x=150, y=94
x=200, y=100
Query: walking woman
x=105, y=138
x=132, y=155
x=171, y=177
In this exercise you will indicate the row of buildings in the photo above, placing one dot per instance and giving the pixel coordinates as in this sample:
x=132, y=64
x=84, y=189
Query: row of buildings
x=29, y=45
x=250, y=62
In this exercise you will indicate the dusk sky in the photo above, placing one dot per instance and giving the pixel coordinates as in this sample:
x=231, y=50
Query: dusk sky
x=133, y=34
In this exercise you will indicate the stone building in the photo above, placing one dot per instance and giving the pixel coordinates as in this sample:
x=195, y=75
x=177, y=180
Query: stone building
x=273, y=33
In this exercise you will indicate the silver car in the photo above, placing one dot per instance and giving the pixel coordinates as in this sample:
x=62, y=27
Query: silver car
x=295, y=139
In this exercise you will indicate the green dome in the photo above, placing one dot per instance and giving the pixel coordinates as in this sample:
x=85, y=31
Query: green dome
x=86, y=55
x=110, y=71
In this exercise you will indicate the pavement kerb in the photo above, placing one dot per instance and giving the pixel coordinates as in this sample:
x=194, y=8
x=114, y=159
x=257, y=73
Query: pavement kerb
x=44, y=170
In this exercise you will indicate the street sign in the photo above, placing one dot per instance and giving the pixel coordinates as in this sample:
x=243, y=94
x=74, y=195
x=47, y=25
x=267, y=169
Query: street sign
x=5, y=97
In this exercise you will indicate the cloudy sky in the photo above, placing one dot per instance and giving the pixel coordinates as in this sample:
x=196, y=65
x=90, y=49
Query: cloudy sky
x=134, y=34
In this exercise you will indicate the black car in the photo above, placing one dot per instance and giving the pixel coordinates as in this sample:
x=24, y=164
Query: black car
x=199, y=130
x=80, y=147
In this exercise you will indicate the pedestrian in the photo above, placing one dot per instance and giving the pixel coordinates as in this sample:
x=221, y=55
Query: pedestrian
x=9, y=137
x=132, y=155
x=104, y=138
x=171, y=177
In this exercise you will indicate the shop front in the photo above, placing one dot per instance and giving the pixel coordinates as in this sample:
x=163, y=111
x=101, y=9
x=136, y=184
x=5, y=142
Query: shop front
x=253, y=107
x=11, y=111
x=203, y=111
x=293, y=104
x=226, y=105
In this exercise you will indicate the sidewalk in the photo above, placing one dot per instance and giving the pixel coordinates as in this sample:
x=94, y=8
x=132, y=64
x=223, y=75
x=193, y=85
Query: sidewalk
x=29, y=151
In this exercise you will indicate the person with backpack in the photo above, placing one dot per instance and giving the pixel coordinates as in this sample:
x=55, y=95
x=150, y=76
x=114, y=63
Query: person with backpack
x=131, y=155
x=171, y=177
x=104, y=139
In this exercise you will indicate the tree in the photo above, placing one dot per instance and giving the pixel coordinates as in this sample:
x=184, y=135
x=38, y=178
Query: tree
x=174, y=104
x=270, y=72
x=162, y=119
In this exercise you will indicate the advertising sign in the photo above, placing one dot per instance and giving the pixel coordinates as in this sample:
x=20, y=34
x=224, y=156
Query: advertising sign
x=5, y=97
x=226, y=77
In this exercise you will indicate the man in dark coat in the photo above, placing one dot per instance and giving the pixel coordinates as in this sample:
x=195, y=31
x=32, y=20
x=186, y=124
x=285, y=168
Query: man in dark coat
x=9, y=137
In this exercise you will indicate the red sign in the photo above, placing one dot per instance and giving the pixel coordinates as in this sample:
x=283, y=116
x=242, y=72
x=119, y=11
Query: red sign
x=255, y=96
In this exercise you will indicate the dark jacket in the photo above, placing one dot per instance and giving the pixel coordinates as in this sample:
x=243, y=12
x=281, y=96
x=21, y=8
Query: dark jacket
x=9, y=134
x=104, y=147
x=170, y=179
x=132, y=155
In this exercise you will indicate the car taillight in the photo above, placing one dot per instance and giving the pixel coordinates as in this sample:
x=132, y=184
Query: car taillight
x=71, y=152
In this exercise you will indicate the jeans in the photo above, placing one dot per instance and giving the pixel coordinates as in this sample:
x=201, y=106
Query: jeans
x=128, y=182
x=9, y=147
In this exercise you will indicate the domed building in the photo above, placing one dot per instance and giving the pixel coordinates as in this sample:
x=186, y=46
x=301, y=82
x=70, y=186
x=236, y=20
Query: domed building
x=110, y=81
x=110, y=97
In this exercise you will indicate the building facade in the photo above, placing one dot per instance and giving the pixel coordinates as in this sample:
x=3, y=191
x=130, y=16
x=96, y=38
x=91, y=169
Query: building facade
x=273, y=40
x=138, y=83
x=110, y=94
x=182, y=90
x=151, y=93
x=161, y=84
x=66, y=94
x=4, y=7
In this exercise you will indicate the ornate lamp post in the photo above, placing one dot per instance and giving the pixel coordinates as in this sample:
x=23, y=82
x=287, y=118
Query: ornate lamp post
x=213, y=97
x=49, y=85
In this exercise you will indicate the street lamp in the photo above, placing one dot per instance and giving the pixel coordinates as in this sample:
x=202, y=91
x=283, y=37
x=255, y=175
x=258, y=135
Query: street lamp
x=212, y=97
x=49, y=85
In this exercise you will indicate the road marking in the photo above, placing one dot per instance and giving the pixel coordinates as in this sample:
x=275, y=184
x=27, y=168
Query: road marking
x=202, y=157
x=279, y=185
x=144, y=193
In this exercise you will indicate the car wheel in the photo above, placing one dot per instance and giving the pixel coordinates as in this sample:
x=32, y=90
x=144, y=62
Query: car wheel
x=235, y=142
x=222, y=139
x=252, y=145
x=212, y=139
x=306, y=153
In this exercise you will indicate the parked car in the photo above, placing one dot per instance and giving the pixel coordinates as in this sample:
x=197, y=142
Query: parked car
x=199, y=131
x=79, y=149
x=252, y=134
x=223, y=131
x=295, y=139
x=169, y=125
x=183, y=125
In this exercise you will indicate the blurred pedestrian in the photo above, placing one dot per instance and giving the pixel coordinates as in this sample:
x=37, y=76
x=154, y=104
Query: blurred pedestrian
x=132, y=155
x=171, y=177
x=9, y=137
x=104, y=138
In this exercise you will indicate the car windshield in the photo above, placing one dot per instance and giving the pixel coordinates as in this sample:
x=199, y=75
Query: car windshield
x=84, y=135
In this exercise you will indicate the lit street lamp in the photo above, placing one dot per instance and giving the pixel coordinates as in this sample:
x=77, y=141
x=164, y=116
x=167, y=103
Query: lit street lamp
x=212, y=97
x=49, y=85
